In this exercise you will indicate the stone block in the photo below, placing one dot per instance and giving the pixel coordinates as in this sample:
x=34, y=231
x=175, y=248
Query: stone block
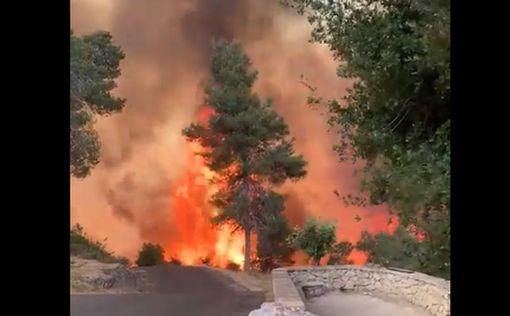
x=313, y=290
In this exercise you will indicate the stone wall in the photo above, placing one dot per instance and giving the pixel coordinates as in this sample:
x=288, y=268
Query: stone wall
x=433, y=294
x=287, y=300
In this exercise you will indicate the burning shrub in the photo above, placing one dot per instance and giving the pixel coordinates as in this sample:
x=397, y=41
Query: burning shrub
x=233, y=266
x=175, y=261
x=150, y=255
x=206, y=261
x=268, y=264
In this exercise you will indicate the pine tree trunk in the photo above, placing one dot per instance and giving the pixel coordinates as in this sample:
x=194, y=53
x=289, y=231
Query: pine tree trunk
x=247, y=248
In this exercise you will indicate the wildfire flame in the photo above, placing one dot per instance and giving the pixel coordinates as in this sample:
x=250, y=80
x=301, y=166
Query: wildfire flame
x=198, y=239
x=187, y=233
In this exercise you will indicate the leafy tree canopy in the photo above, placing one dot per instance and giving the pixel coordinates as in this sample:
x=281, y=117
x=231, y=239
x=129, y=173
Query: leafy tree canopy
x=314, y=239
x=396, y=117
x=246, y=143
x=95, y=64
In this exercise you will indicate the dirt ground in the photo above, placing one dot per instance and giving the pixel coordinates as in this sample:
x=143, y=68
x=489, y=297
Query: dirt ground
x=89, y=276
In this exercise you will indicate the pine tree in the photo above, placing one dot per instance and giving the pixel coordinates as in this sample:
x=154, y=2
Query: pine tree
x=273, y=250
x=246, y=144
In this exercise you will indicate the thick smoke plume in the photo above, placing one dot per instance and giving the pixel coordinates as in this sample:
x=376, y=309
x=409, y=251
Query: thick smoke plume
x=167, y=42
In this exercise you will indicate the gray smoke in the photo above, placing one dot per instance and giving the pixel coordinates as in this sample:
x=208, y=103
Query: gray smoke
x=167, y=45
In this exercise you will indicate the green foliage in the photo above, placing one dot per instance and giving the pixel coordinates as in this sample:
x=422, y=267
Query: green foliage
x=84, y=247
x=399, y=250
x=396, y=117
x=273, y=250
x=403, y=250
x=340, y=253
x=314, y=239
x=94, y=67
x=150, y=255
x=246, y=143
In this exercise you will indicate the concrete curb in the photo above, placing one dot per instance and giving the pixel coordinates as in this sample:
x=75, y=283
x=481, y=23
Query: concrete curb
x=419, y=289
x=284, y=290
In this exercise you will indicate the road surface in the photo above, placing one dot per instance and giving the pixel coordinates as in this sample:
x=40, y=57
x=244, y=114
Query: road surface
x=351, y=304
x=177, y=291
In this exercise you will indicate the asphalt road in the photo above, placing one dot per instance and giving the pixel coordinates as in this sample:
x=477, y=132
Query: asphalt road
x=177, y=291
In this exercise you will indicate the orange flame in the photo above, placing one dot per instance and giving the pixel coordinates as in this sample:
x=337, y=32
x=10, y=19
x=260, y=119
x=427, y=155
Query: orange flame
x=197, y=239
